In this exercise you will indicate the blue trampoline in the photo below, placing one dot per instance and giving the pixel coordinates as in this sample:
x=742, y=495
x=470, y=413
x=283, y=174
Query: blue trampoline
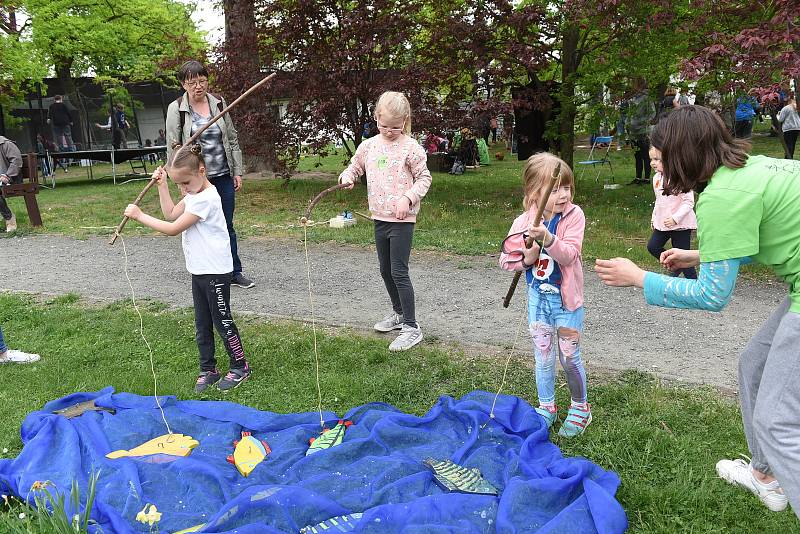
x=376, y=476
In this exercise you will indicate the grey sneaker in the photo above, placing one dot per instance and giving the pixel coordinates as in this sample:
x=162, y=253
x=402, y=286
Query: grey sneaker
x=739, y=473
x=242, y=281
x=409, y=336
x=205, y=380
x=234, y=378
x=389, y=323
x=17, y=356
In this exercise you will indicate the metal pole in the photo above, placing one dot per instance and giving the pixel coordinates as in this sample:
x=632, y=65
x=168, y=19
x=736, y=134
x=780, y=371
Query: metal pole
x=136, y=119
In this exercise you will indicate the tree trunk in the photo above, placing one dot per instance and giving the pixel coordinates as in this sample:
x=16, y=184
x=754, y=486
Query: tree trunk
x=566, y=125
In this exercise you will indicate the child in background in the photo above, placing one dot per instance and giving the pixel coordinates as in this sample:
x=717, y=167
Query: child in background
x=397, y=180
x=554, y=275
x=673, y=217
x=199, y=219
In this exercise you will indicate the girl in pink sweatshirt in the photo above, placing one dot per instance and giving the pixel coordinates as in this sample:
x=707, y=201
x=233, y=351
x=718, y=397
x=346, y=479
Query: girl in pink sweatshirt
x=397, y=179
x=673, y=217
x=554, y=274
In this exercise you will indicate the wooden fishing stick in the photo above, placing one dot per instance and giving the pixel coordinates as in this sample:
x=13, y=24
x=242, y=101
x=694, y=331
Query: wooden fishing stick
x=188, y=142
x=537, y=218
x=307, y=217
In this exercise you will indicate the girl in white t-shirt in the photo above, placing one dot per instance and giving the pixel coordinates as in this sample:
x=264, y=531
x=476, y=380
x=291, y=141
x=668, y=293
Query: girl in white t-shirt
x=198, y=217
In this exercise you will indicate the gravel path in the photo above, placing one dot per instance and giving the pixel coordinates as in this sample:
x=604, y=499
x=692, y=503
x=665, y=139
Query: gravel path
x=458, y=299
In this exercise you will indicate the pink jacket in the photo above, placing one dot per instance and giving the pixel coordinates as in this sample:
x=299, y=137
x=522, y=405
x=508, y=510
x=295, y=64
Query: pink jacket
x=566, y=250
x=394, y=169
x=679, y=207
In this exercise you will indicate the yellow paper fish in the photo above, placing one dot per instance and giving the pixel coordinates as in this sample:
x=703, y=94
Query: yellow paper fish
x=172, y=444
x=149, y=515
x=190, y=529
x=248, y=453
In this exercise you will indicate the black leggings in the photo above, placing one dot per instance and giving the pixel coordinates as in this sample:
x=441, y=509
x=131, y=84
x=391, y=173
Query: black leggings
x=393, y=242
x=790, y=136
x=641, y=152
x=211, y=294
x=680, y=239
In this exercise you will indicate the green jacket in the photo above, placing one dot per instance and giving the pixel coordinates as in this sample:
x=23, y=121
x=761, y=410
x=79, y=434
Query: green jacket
x=229, y=136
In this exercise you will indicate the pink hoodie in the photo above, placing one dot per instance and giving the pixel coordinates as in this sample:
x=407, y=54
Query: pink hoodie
x=394, y=169
x=679, y=207
x=566, y=250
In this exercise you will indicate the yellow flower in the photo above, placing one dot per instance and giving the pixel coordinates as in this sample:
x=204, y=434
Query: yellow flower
x=149, y=515
x=40, y=485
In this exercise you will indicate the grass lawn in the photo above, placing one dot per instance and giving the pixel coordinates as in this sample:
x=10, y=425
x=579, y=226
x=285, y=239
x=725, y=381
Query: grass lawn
x=468, y=214
x=663, y=441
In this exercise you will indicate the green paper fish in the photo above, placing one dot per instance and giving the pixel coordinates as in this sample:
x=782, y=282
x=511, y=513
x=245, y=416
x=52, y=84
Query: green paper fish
x=454, y=477
x=329, y=437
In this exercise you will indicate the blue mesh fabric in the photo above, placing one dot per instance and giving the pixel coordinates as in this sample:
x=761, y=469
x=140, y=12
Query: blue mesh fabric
x=377, y=470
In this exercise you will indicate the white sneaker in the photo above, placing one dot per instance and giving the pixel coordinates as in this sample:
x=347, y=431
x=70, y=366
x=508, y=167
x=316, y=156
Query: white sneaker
x=739, y=473
x=389, y=323
x=409, y=336
x=11, y=224
x=17, y=356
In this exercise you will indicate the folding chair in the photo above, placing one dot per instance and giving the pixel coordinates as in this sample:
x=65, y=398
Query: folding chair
x=599, y=160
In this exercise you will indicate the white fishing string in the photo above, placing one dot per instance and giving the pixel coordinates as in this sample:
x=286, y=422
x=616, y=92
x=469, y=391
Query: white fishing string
x=141, y=333
x=313, y=324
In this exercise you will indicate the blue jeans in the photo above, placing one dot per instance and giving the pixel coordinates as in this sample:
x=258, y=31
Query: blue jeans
x=224, y=185
x=3, y=346
x=546, y=317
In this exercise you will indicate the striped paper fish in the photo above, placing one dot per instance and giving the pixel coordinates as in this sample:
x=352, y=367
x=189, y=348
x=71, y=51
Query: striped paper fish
x=342, y=523
x=454, y=477
x=329, y=437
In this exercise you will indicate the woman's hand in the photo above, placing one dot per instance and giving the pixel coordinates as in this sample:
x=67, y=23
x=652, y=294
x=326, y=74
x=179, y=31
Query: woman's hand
x=237, y=183
x=402, y=207
x=133, y=212
x=678, y=258
x=620, y=272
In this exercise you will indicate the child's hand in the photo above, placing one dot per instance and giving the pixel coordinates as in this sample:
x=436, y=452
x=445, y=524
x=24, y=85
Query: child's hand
x=133, y=212
x=531, y=255
x=160, y=176
x=402, y=207
x=539, y=232
x=669, y=222
x=620, y=272
x=678, y=258
x=348, y=184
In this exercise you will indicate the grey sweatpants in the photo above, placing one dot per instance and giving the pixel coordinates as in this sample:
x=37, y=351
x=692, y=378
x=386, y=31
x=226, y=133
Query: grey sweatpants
x=769, y=374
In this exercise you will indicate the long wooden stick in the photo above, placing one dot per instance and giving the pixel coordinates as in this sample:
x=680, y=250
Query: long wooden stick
x=529, y=242
x=307, y=217
x=188, y=142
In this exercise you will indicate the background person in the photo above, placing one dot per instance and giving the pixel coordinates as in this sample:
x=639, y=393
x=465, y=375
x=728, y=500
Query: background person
x=220, y=144
x=14, y=356
x=59, y=117
x=10, y=173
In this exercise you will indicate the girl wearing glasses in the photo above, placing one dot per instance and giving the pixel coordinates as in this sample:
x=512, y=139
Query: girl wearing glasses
x=397, y=180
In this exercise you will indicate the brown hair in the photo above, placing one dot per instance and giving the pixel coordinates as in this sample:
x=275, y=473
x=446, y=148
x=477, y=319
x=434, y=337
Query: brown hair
x=191, y=69
x=190, y=158
x=538, y=170
x=671, y=91
x=694, y=143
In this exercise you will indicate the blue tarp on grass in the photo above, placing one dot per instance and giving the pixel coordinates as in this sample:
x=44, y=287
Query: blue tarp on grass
x=377, y=470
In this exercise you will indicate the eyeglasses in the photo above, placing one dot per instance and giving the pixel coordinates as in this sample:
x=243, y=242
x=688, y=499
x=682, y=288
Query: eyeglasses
x=197, y=82
x=390, y=130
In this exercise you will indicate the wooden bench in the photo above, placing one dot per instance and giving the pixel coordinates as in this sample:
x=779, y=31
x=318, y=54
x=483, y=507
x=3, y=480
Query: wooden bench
x=29, y=188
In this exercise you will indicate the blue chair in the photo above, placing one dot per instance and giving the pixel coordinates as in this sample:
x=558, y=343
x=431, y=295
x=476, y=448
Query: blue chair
x=595, y=160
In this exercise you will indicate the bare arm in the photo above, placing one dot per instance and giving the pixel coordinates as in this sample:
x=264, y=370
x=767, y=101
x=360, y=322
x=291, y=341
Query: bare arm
x=165, y=227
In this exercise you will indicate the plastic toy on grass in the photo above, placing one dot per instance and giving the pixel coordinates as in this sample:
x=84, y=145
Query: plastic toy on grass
x=171, y=444
x=454, y=477
x=248, y=453
x=329, y=437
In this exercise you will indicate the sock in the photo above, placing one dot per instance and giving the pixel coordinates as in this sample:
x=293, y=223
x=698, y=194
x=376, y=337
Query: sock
x=549, y=406
x=580, y=405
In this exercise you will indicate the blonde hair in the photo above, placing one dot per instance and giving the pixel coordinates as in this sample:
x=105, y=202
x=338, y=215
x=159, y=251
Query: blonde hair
x=538, y=171
x=396, y=106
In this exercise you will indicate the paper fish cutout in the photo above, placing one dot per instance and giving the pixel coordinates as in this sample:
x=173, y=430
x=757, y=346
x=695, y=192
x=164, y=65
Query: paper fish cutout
x=342, y=523
x=248, y=453
x=454, y=477
x=190, y=529
x=172, y=444
x=329, y=437
x=80, y=408
x=149, y=515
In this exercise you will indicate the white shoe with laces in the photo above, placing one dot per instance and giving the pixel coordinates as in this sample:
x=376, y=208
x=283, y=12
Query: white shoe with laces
x=409, y=336
x=391, y=322
x=17, y=356
x=739, y=473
